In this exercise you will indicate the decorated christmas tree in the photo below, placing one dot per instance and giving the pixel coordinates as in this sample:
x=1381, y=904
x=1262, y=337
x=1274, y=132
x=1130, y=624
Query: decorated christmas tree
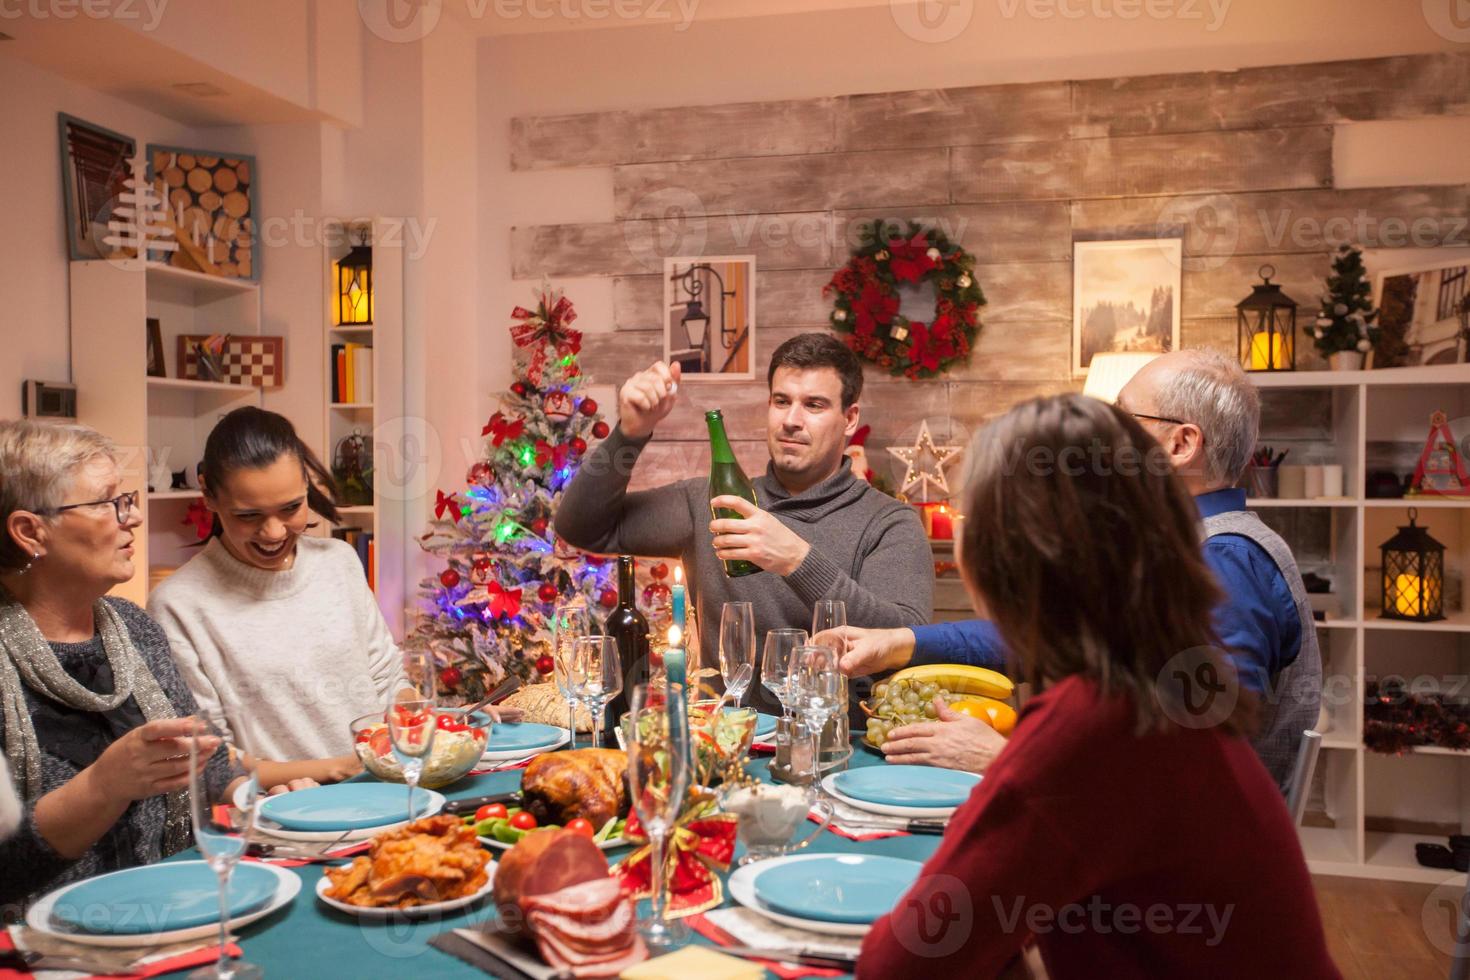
x=1346, y=320
x=487, y=613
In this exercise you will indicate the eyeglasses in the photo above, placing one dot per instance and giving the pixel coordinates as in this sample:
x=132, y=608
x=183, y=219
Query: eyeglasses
x=1158, y=418
x=123, y=504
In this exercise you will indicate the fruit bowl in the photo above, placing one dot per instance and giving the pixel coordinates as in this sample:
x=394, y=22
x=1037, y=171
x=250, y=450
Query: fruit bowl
x=457, y=750
x=908, y=697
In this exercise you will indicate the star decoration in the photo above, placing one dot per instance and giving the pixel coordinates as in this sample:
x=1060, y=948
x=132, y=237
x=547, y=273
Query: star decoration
x=925, y=464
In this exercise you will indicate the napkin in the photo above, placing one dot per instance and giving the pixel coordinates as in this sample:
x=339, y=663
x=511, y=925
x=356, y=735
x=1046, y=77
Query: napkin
x=148, y=961
x=854, y=824
x=739, y=925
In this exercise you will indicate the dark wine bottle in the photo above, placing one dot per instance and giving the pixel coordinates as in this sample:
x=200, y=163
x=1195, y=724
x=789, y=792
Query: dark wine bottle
x=626, y=625
x=727, y=478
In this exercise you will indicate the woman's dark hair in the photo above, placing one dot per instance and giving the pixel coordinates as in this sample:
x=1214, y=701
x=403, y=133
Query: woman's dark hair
x=819, y=350
x=251, y=439
x=1085, y=548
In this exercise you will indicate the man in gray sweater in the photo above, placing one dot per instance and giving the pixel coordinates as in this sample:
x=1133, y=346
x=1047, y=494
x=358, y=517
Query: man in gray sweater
x=818, y=533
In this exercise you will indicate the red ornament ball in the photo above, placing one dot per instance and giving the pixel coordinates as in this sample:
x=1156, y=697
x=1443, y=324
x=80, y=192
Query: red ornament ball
x=538, y=526
x=600, y=430
x=482, y=563
x=609, y=598
x=656, y=594
x=588, y=407
x=450, y=677
x=579, y=445
x=481, y=473
x=547, y=592
x=520, y=388
x=544, y=664
x=449, y=578
x=659, y=571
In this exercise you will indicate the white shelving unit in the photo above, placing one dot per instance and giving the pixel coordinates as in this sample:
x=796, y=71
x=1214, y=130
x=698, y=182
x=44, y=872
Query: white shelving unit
x=153, y=419
x=385, y=515
x=1375, y=803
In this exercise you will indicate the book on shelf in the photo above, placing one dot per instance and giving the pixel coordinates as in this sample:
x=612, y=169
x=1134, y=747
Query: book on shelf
x=352, y=374
x=361, y=542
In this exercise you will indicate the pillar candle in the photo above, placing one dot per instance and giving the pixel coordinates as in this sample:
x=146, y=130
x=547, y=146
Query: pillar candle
x=942, y=526
x=674, y=656
x=678, y=594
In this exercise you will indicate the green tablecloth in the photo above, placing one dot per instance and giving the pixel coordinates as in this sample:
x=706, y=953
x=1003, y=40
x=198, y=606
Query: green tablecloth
x=309, y=939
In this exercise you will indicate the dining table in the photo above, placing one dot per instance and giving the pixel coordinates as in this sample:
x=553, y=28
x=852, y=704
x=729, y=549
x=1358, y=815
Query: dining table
x=309, y=939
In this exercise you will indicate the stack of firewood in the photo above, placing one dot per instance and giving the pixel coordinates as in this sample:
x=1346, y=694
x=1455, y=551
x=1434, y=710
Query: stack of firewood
x=209, y=208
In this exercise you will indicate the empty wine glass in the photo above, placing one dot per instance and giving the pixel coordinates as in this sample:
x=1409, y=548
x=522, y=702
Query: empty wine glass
x=817, y=693
x=596, y=676
x=829, y=614
x=569, y=621
x=776, y=663
x=737, y=647
x=412, y=721
x=658, y=777
x=222, y=846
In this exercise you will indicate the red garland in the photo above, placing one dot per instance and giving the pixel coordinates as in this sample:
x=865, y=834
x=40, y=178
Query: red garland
x=866, y=304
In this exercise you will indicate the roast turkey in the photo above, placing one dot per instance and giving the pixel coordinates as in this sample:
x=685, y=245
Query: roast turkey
x=589, y=783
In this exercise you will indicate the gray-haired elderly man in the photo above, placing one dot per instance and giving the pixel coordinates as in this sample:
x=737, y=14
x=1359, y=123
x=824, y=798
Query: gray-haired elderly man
x=1205, y=412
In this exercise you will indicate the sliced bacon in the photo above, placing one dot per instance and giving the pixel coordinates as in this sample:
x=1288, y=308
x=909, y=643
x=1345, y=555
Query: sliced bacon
x=588, y=969
x=584, y=935
x=583, y=898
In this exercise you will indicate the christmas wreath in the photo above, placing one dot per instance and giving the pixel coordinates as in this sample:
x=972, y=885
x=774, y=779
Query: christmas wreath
x=865, y=308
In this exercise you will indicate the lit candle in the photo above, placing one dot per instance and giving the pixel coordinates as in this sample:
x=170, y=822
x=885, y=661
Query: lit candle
x=674, y=656
x=679, y=596
x=1268, y=351
x=1406, y=592
x=942, y=524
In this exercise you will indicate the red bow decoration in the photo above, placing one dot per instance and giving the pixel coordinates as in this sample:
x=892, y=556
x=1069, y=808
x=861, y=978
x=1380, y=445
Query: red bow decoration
x=547, y=325
x=500, y=430
x=201, y=517
x=702, y=844
x=445, y=502
x=545, y=453
x=503, y=603
x=909, y=260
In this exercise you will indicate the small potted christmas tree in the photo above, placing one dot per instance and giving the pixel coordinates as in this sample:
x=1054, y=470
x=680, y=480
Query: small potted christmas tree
x=1344, y=331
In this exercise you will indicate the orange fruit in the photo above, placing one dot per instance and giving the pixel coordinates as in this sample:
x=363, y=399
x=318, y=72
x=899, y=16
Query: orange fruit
x=996, y=714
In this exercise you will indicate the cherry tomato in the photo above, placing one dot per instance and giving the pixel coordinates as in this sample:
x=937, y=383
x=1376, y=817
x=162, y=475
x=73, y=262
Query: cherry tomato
x=381, y=743
x=581, y=825
x=523, y=821
x=490, y=811
x=445, y=723
x=363, y=736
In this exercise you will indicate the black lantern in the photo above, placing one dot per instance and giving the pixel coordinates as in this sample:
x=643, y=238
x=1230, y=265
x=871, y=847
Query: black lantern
x=1265, y=324
x=1413, y=575
x=355, y=287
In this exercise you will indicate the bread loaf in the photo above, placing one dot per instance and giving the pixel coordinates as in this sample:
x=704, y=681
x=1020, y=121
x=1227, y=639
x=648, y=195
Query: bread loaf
x=543, y=704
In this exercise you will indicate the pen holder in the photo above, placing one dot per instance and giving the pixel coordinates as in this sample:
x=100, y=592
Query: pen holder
x=1261, y=481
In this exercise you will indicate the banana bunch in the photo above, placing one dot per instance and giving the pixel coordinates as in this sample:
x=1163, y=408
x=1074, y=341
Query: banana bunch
x=959, y=679
x=908, y=697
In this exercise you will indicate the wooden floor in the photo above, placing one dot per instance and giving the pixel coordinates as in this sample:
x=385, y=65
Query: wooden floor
x=1377, y=930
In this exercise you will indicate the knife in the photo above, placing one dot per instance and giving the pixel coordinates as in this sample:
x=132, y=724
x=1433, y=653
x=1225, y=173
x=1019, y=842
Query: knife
x=912, y=826
x=782, y=956
x=470, y=805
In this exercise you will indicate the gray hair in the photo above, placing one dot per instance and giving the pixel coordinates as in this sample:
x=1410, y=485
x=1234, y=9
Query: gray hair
x=1210, y=390
x=38, y=463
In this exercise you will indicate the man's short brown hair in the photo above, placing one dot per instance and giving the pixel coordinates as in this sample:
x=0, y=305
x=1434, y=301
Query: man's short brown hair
x=819, y=350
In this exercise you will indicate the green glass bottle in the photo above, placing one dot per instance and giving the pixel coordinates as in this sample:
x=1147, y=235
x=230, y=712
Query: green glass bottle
x=727, y=478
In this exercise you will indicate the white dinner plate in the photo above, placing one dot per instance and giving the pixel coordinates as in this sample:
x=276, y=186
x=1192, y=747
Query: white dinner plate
x=414, y=912
x=742, y=889
x=887, y=809
x=39, y=918
x=436, y=803
x=525, y=752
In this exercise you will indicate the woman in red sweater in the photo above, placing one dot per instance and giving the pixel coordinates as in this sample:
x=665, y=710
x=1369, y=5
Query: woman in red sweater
x=1127, y=828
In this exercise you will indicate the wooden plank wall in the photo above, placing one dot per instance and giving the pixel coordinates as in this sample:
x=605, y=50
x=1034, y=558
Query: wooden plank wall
x=1237, y=163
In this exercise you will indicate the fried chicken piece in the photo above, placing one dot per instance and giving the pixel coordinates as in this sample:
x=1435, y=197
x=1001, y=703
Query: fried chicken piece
x=435, y=859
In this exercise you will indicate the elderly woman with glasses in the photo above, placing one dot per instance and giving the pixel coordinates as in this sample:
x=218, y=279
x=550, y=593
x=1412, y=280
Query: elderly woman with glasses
x=94, y=719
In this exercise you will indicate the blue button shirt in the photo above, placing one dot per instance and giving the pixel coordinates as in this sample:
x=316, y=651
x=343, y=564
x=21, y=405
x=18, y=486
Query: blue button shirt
x=1257, y=622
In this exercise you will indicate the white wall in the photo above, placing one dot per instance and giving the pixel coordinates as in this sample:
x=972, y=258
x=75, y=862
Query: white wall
x=34, y=315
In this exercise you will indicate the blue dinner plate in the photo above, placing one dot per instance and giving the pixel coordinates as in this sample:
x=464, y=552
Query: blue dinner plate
x=160, y=898
x=919, y=786
x=509, y=735
x=343, y=806
x=850, y=888
x=764, y=724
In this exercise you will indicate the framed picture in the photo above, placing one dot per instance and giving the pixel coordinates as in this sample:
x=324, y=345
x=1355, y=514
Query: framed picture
x=1423, y=312
x=156, y=368
x=1125, y=297
x=709, y=316
x=94, y=164
x=210, y=198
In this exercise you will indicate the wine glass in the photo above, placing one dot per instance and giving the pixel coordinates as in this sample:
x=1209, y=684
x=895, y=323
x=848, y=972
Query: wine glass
x=817, y=693
x=412, y=721
x=222, y=847
x=570, y=620
x=737, y=647
x=829, y=614
x=658, y=777
x=776, y=664
x=596, y=676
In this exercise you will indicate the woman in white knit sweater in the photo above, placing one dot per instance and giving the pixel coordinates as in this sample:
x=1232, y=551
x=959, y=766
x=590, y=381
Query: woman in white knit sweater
x=276, y=632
